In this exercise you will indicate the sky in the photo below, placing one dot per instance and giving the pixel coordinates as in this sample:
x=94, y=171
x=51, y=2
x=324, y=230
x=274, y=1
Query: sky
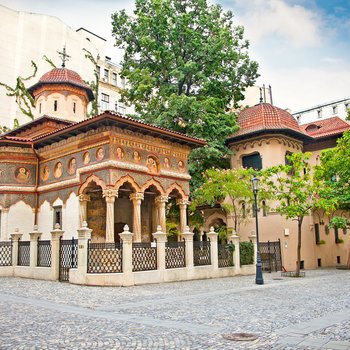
x=302, y=46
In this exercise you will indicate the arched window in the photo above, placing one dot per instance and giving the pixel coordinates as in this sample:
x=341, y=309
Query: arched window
x=74, y=107
x=55, y=105
x=253, y=161
x=264, y=208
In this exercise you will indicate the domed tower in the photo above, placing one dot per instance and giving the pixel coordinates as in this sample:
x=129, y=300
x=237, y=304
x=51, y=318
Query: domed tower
x=61, y=93
x=266, y=135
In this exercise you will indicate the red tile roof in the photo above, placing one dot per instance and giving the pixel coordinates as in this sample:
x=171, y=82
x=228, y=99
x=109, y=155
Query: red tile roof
x=265, y=116
x=326, y=127
x=62, y=76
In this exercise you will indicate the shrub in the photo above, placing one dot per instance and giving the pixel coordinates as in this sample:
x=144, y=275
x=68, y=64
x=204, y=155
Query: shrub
x=246, y=250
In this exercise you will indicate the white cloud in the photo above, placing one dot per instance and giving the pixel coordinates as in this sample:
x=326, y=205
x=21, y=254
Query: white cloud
x=299, y=26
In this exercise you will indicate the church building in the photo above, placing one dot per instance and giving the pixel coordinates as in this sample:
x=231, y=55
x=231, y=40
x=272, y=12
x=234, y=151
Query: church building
x=108, y=170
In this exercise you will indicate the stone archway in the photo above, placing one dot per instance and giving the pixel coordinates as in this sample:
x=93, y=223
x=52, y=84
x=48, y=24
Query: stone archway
x=95, y=211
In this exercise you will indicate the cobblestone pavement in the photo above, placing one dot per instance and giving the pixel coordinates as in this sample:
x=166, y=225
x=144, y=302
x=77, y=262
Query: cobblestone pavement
x=289, y=313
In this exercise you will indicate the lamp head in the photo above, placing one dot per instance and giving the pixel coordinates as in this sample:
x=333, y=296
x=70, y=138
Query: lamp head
x=255, y=184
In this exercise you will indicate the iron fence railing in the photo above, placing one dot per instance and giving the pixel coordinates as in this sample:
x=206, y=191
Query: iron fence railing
x=144, y=256
x=201, y=253
x=6, y=253
x=23, y=253
x=105, y=257
x=44, y=253
x=225, y=256
x=175, y=255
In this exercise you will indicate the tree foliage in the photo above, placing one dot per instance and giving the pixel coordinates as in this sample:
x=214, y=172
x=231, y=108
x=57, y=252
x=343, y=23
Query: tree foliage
x=185, y=63
x=231, y=188
x=23, y=98
x=298, y=192
x=335, y=170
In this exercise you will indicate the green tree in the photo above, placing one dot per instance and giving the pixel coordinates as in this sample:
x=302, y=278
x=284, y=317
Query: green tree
x=232, y=189
x=298, y=192
x=186, y=65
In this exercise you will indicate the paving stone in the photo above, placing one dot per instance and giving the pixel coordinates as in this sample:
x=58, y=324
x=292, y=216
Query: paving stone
x=182, y=315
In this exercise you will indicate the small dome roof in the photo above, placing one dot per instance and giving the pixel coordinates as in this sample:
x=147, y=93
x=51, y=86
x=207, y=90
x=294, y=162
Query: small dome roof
x=265, y=117
x=62, y=76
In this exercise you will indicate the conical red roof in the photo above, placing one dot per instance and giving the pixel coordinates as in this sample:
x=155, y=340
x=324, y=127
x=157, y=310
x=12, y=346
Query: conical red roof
x=265, y=117
x=63, y=76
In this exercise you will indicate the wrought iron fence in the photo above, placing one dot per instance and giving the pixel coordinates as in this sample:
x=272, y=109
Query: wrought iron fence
x=23, y=253
x=175, y=255
x=270, y=253
x=144, y=256
x=225, y=256
x=68, y=257
x=44, y=253
x=6, y=253
x=201, y=253
x=105, y=257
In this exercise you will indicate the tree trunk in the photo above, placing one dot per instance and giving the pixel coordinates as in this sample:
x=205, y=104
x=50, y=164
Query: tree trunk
x=297, y=272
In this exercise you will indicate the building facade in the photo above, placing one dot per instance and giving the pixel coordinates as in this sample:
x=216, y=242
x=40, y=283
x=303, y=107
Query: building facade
x=267, y=135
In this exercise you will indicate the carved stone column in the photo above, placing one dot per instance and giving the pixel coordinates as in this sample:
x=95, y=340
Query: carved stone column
x=161, y=240
x=126, y=237
x=136, y=199
x=56, y=235
x=16, y=236
x=161, y=201
x=183, y=203
x=34, y=236
x=110, y=195
x=188, y=236
x=236, y=254
x=213, y=236
x=83, y=200
x=4, y=222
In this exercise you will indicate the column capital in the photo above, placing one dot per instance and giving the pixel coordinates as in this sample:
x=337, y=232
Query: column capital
x=188, y=235
x=182, y=201
x=110, y=194
x=16, y=236
x=126, y=235
x=160, y=236
x=84, y=197
x=35, y=234
x=57, y=233
x=137, y=196
x=213, y=236
x=161, y=199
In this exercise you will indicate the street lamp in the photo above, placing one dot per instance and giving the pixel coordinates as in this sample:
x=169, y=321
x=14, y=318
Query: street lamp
x=258, y=276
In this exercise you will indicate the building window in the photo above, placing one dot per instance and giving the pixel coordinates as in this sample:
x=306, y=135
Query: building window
x=116, y=107
x=336, y=235
x=334, y=109
x=114, y=79
x=302, y=267
x=105, y=76
x=253, y=161
x=104, y=102
x=121, y=109
x=264, y=208
x=338, y=259
x=244, y=211
x=98, y=70
x=55, y=105
x=57, y=216
x=319, y=113
x=74, y=107
x=122, y=83
x=317, y=233
x=40, y=107
x=319, y=262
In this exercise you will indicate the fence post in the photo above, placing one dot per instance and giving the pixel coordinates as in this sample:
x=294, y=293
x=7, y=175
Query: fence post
x=126, y=237
x=188, y=236
x=213, y=236
x=236, y=254
x=34, y=236
x=84, y=234
x=253, y=240
x=16, y=236
x=56, y=235
x=160, y=236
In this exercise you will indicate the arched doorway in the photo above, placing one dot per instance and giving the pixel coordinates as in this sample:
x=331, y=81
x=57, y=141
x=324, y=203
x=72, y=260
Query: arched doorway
x=96, y=212
x=150, y=214
x=123, y=210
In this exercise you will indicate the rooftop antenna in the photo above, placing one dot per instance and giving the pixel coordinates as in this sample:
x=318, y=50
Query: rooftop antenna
x=64, y=56
x=270, y=89
x=261, y=98
x=264, y=93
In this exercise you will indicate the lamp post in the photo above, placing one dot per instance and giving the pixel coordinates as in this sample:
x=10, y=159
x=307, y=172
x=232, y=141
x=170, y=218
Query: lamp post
x=258, y=276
